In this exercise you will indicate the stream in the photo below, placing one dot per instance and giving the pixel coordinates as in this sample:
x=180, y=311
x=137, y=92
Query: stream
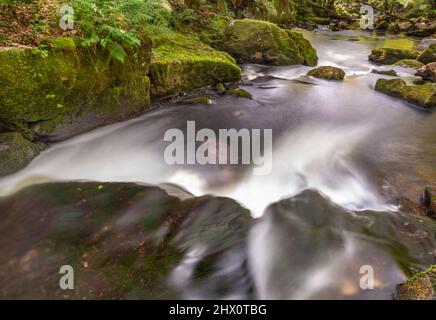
x=342, y=154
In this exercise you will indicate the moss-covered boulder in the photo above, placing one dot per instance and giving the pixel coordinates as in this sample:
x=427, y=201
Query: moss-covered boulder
x=391, y=56
x=422, y=95
x=181, y=64
x=421, y=286
x=263, y=42
x=428, y=72
x=123, y=241
x=60, y=89
x=327, y=72
x=409, y=63
x=428, y=55
x=15, y=152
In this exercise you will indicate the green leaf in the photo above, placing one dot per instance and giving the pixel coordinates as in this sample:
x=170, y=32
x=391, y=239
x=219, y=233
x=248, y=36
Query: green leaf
x=117, y=51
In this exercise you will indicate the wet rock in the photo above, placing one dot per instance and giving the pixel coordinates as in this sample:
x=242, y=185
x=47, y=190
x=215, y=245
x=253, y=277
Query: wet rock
x=182, y=64
x=306, y=238
x=428, y=55
x=391, y=72
x=421, y=286
x=409, y=63
x=256, y=41
x=429, y=201
x=428, y=72
x=16, y=152
x=391, y=56
x=197, y=100
x=124, y=241
x=422, y=95
x=327, y=72
x=240, y=93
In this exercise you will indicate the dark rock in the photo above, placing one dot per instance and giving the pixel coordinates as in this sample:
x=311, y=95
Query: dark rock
x=124, y=241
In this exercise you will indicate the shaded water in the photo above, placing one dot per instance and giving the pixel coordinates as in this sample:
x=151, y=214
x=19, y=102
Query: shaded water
x=359, y=148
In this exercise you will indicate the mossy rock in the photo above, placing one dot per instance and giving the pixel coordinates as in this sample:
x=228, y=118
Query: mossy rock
x=428, y=55
x=59, y=90
x=240, y=93
x=15, y=152
x=421, y=286
x=422, y=95
x=182, y=64
x=263, y=42
x=409, y=63
x=391, y=73
x=328, y=73
x=123, y=240
x=391, y=56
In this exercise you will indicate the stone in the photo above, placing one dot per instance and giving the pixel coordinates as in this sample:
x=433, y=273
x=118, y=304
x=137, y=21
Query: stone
x=422, y=95
x=255, y=41
x=391, y=56
x=327, y=72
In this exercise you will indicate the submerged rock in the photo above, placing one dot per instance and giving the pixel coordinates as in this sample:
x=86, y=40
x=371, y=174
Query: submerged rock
x=428, y=55
x=391, y=72
x=391, y=56
x=182, y=64
x=423, y=95
x=409, y=63
x=16, y=152
x=428, y=72
x=54, y=93
x=421, y=286
x=240, y=93
x=264, y=42
x=124, y=241
x=327, y=72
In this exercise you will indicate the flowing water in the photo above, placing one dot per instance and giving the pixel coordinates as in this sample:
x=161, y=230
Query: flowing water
x=357, y=147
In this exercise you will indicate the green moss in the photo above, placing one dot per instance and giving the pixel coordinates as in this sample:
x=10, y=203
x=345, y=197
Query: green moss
x=15, y=152
x=198, y=100
x=182, y=64
x=391, y=73
x=409, y=63
x=264, y=42
x=240, y=93
x=319, y=20
x=56, y=86
x=327, y=72
x=391, y=56
x=428, y=55
x=423, y=95
x=421, y=286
